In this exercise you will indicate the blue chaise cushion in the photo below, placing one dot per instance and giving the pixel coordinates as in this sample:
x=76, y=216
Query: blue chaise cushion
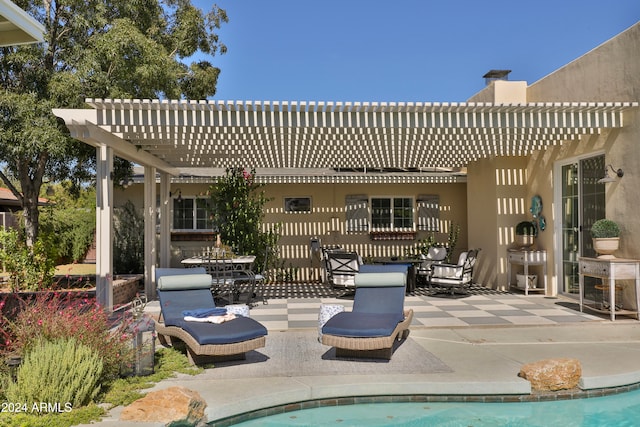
x=361, y=325
x=233, y=331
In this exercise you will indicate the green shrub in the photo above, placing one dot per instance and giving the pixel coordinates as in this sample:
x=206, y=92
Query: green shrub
x=30, y=268
x=605, y=228
x=238, y=212
x=61, y=371
x=55, y=316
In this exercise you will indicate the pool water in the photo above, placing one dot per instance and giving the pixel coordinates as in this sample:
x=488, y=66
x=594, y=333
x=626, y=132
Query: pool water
x=617, y=410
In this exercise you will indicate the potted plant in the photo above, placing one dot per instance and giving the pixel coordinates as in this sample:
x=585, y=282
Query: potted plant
x=525, y=233
x=606, y=237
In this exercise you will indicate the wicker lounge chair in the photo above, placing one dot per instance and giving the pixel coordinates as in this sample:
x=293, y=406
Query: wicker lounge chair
x=377, y=320
x=192, y=291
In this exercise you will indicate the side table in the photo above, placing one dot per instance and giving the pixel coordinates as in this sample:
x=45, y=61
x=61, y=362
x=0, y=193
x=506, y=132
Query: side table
x=526, y=258
x=610, y=270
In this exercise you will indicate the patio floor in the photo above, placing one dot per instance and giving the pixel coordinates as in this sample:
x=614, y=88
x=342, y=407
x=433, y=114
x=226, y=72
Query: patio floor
x=472, y=347
x=293, y=306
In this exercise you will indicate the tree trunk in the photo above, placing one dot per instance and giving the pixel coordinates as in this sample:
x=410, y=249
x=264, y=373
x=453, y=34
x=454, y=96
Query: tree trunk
x=31, y=175
x=30, y=212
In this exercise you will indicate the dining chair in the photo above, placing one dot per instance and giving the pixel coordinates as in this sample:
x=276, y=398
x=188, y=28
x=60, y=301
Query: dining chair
x=222, y=277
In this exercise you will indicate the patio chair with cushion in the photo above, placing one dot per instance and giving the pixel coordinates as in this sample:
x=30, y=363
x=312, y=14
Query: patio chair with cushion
x=342, y=266
x=434, y=255
x=190, y=292
x=377, y=320
x=455, y=276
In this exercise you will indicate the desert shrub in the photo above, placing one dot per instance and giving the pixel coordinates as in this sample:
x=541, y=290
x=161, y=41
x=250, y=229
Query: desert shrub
x=30, y=268
x=53, y=316
x=62, y=371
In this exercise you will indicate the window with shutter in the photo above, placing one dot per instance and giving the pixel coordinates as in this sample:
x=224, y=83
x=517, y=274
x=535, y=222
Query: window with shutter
x=428, y=212
x=357, y=213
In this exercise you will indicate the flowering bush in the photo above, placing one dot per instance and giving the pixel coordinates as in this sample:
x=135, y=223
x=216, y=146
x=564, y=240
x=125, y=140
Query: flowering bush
x=55, y=315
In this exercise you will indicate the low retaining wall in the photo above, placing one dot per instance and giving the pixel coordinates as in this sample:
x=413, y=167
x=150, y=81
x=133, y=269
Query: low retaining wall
x=126, y=288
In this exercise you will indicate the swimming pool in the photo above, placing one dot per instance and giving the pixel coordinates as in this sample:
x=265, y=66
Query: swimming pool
x=618, y=410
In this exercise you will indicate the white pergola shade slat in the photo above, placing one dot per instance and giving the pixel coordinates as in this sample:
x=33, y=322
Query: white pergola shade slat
x=309, y=135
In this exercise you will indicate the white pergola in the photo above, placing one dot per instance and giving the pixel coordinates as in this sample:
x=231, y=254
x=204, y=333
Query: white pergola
x=319, y=142
x=17, y=27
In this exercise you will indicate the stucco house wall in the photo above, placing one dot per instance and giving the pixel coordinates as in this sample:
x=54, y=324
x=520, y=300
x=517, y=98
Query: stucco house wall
x=326, y=221
x=609, y=72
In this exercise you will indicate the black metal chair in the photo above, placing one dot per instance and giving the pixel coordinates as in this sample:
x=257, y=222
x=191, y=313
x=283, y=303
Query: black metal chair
x=341, y=268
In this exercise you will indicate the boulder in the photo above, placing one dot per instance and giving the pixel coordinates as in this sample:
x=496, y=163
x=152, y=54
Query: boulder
x=174, y=405
x=552, y=374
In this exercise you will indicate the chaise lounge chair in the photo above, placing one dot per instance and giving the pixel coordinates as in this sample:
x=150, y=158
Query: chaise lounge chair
x=378, y=318
x=191, y=290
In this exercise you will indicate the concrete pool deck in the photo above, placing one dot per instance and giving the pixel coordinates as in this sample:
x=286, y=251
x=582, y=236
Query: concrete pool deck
x=483, y=361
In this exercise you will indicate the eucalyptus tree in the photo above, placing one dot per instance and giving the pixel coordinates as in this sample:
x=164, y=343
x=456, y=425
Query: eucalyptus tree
x=94, y=49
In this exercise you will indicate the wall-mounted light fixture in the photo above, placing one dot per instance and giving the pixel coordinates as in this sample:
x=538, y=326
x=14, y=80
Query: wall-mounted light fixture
x=607, y=178
x=125, y=183
x=179, y=192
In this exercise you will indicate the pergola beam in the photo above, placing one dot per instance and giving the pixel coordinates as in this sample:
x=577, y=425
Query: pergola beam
x=346, y=135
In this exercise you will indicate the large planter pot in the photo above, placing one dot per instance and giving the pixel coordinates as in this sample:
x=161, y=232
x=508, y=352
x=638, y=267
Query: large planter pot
x=605, y=247
x=525, y=241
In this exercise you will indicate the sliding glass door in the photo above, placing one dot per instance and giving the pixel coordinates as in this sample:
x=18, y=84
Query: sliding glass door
x=582, y=202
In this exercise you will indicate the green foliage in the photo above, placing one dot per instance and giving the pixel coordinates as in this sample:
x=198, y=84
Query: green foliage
x=62, y=370
x=128, y=242
x=83, y=415
x=452, y=240
x=70, y=220
x=526, y=228
x=605, y=228
x=422, y=246
x=238, y=212
x=168, y=362
x=30, y=268
x=94, y=49
x=58, y=316
x=120, y=392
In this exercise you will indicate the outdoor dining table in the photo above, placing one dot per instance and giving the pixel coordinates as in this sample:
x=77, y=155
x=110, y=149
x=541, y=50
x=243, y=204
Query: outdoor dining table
x=227, y=273
x=240, y=263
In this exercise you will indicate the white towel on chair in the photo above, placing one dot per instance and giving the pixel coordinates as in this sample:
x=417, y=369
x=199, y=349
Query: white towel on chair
x=211, y=319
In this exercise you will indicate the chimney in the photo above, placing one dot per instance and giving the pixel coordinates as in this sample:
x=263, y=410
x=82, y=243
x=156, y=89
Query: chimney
x=496, y=75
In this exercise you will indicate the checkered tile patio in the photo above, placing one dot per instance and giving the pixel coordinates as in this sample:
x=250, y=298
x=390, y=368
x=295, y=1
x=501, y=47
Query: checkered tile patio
x=291, y=306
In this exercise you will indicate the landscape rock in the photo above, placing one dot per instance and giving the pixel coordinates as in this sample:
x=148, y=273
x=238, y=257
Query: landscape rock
x=552, y=374
x=174, y=405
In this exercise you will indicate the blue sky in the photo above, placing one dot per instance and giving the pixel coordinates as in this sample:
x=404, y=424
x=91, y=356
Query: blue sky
x=402, y=50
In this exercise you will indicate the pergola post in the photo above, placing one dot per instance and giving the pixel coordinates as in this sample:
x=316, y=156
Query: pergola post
x=150, y=254
x=104, y=227
x=165, y=220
